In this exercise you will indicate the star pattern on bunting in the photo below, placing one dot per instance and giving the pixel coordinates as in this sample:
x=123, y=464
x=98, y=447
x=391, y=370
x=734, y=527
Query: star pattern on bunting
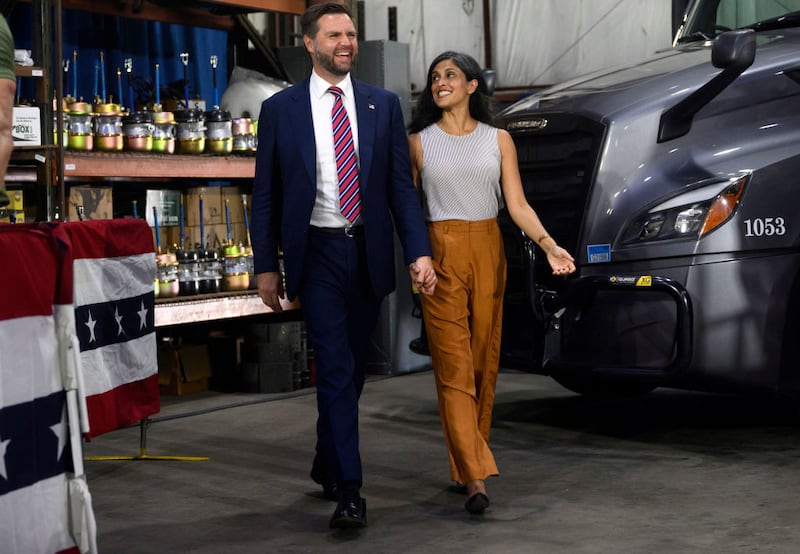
x=60, y=431
x=34, y=441
x=142, y=316
x=114, y=322
x=118, y=319
x=3, y=447
x=90, y=323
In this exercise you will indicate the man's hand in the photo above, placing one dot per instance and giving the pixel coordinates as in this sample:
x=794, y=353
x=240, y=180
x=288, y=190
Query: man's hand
x=270, y=289
x=422, y=275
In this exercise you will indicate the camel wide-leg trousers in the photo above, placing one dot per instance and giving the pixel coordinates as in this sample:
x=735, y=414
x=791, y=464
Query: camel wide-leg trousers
x=463, y=320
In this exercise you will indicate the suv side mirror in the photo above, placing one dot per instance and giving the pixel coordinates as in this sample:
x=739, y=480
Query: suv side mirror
x=734, y=49
x=733, y=52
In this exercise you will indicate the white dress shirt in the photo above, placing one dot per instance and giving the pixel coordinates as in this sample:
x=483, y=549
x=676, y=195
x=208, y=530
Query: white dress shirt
x=326, y=211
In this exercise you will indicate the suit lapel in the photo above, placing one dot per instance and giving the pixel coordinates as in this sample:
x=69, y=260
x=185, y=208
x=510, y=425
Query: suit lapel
x=367, y=111
x=303, y=125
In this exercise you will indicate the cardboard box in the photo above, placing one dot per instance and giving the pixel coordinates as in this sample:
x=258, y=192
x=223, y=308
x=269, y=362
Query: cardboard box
x=273, y=342
x=26, y=126
x=268, y=377
x=216, y=235
x=195, y=361
x=183, y=369
x=212, y=206
x=97, y=202
x=235, y=207
x=174, y=105
x=170, y=238
x=238, y=233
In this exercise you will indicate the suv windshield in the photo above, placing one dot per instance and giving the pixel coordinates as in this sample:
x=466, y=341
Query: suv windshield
x=708, y=18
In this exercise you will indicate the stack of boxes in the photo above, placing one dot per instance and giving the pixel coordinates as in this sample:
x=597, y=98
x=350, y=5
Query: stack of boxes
x=275, y=357
x=215, y=228
x=183, y=368
x=97, y=202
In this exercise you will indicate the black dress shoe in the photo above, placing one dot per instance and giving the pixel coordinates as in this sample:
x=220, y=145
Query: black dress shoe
x=350, y=513
x=477, y=503
x=330, y=489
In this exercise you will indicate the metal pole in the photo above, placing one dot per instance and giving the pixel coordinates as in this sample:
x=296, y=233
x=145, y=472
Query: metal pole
x=393, y=23
x=59, y=113
x=487, y=35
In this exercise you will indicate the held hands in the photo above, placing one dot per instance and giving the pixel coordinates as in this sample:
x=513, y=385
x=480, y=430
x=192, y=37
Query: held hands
x=422, y=275
x=560, y=261
x=270, y=289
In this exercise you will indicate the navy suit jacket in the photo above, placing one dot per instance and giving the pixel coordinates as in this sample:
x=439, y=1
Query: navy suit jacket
x=285, y=185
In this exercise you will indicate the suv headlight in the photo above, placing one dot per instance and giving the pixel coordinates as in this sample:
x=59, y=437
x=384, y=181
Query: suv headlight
x=690, y=219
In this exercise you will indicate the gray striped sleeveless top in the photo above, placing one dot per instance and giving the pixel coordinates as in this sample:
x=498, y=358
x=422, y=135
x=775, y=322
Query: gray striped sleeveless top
x=460, y=174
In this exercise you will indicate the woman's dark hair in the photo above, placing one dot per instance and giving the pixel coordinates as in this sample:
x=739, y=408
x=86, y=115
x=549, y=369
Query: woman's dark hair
x=428, y=113
x=309, y=21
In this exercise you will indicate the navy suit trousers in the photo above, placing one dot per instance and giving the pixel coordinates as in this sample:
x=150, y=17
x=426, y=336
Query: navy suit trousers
x=340, y=311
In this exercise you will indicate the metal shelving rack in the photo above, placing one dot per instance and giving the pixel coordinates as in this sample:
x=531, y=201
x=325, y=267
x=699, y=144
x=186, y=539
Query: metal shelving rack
x=49, y=167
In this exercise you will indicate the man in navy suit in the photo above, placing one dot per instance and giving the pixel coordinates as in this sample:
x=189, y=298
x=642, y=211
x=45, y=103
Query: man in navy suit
x=339, y=265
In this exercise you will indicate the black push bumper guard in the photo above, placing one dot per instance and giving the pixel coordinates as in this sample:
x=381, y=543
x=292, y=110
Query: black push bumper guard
x=580, y=292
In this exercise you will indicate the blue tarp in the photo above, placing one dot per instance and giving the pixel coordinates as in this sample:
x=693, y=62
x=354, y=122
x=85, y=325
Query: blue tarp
x=146, y=43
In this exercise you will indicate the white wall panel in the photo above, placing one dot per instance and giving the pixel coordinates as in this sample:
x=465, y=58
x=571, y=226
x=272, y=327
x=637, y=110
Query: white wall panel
x=534, y=42
x=429, y=27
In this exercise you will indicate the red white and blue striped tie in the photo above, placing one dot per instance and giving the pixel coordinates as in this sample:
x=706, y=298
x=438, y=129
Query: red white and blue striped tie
x=346, y=162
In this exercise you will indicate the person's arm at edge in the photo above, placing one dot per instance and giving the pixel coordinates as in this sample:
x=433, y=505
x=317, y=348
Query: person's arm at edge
x=7, y=91
x=8, y=88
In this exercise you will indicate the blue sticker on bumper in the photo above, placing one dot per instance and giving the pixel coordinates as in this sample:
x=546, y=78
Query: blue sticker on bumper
x=598, y=253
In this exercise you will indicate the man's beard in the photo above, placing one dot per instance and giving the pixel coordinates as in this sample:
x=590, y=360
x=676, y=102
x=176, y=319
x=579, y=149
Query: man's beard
x=329, y=63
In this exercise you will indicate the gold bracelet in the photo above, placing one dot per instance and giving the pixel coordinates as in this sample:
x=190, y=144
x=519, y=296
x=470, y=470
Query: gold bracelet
x=540, y=239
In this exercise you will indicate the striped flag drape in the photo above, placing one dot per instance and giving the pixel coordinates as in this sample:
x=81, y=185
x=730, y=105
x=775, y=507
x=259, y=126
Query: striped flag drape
x=45, y=504
x=114, y=268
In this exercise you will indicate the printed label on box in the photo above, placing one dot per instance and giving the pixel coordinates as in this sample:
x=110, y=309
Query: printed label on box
x=168, y=204
x=26, y=126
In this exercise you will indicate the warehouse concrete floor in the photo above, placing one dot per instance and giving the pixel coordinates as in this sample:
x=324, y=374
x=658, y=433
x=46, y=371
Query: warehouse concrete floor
x=670, y=472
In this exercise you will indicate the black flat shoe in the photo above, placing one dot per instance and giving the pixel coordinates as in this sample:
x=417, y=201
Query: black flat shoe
x=350, y=514
x=477, y=503
x=330, y=488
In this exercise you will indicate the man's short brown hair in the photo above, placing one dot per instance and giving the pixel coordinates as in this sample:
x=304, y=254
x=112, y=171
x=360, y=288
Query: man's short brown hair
x=309, y=21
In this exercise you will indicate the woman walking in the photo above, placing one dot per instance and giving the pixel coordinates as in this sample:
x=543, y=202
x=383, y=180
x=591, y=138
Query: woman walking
x=466, y=168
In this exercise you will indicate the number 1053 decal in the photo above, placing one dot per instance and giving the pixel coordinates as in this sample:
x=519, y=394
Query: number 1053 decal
x=764, y=227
